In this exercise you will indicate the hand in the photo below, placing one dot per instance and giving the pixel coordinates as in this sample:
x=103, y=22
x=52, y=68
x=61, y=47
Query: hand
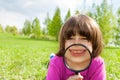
x=76, y=77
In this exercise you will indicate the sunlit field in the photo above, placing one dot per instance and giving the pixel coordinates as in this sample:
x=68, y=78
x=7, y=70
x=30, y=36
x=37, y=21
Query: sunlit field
x=22, y=58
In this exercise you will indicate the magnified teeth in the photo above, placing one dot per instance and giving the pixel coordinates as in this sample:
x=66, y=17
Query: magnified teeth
x=77, y=52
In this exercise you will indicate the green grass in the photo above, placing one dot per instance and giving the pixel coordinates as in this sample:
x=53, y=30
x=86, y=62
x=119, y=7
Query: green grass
x=22, y=58
x=112, y=61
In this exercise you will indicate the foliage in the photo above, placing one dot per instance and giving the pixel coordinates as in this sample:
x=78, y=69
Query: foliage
x=117, y=35
x=55, y=25
x=118, y=15
x=1, y=28
x=67, y=15
x=27, y=28
x=33, y=30
x=47, y=23
x=105, y=18
x=36, y=28
x=11, y=29
x=77, y=12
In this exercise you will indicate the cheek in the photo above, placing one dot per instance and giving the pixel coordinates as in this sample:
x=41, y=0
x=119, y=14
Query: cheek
x=67, y=43
x=90, y=47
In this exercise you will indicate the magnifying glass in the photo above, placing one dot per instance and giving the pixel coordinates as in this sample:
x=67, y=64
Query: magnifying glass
x=77, y=58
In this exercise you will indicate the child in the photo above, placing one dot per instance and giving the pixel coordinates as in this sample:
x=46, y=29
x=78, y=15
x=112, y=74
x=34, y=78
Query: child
x=78, y=29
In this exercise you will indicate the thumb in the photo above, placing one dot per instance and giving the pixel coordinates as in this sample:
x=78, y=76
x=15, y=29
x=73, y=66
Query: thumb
x=80, y=76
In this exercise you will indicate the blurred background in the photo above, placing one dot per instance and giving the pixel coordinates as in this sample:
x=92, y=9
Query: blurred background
x=26, y=16
x=29, y=34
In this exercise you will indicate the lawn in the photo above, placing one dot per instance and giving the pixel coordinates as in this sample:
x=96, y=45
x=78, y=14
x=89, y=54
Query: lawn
x=112, y=61
x=22, y=58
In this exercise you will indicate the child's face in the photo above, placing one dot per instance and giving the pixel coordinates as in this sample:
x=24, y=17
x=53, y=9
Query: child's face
x=77, y=39
x=76, y=58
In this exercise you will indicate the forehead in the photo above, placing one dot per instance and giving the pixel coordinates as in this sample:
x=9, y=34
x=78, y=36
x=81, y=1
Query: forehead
x=74, y=26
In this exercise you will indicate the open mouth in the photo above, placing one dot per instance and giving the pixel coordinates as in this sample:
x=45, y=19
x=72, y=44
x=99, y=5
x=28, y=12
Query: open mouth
x=77, y=52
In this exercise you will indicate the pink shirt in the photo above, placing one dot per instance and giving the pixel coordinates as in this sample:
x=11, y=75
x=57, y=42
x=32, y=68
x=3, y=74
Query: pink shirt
x=58, y=71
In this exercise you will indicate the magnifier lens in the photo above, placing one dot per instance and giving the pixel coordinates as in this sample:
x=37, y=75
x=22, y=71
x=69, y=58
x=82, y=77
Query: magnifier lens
x=77, y=57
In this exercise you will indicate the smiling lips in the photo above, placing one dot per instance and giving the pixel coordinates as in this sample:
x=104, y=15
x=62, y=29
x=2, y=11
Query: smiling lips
x=77, y=52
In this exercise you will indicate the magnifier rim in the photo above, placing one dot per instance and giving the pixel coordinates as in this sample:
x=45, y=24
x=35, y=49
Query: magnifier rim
x=76, y=71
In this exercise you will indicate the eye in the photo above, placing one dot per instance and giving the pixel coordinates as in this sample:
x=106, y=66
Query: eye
x=84, y=38
x=70, y=38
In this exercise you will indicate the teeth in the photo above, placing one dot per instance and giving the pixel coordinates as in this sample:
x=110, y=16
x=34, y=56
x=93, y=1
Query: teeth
x=76, y=52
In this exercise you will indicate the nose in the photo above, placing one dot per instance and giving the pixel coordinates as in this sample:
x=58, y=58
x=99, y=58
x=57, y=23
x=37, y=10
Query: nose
x=76, y=41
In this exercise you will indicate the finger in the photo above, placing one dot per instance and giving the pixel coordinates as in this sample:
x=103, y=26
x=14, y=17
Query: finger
x=70, y=78
x=75, y=77
x=80, y=76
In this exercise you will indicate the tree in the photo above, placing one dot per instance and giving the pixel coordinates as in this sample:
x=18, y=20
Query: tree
x=118, y=13
x=36, y=28
x=55, y=25
x=105, y=18
x=27, y=29
x=117, y=36
x=77, y=12
x=68, y=15
x=1, y=28
x=11, y=29
x=14, y=30
x=7, y=28
x=47, y=23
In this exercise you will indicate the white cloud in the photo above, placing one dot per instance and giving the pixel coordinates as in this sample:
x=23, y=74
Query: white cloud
x=11, y=18
x=72, y=4
x=27, y=4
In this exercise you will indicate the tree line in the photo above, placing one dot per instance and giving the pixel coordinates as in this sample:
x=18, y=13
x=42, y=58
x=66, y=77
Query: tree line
x=108, y=21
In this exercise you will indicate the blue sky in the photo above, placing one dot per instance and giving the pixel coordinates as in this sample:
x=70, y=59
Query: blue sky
x=15, y=12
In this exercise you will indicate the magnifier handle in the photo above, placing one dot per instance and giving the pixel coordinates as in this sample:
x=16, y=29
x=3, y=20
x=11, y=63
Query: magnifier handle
x=76, y=73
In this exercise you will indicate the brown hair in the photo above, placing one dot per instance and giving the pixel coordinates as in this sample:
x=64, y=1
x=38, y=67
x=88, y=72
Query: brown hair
x=85, y=26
